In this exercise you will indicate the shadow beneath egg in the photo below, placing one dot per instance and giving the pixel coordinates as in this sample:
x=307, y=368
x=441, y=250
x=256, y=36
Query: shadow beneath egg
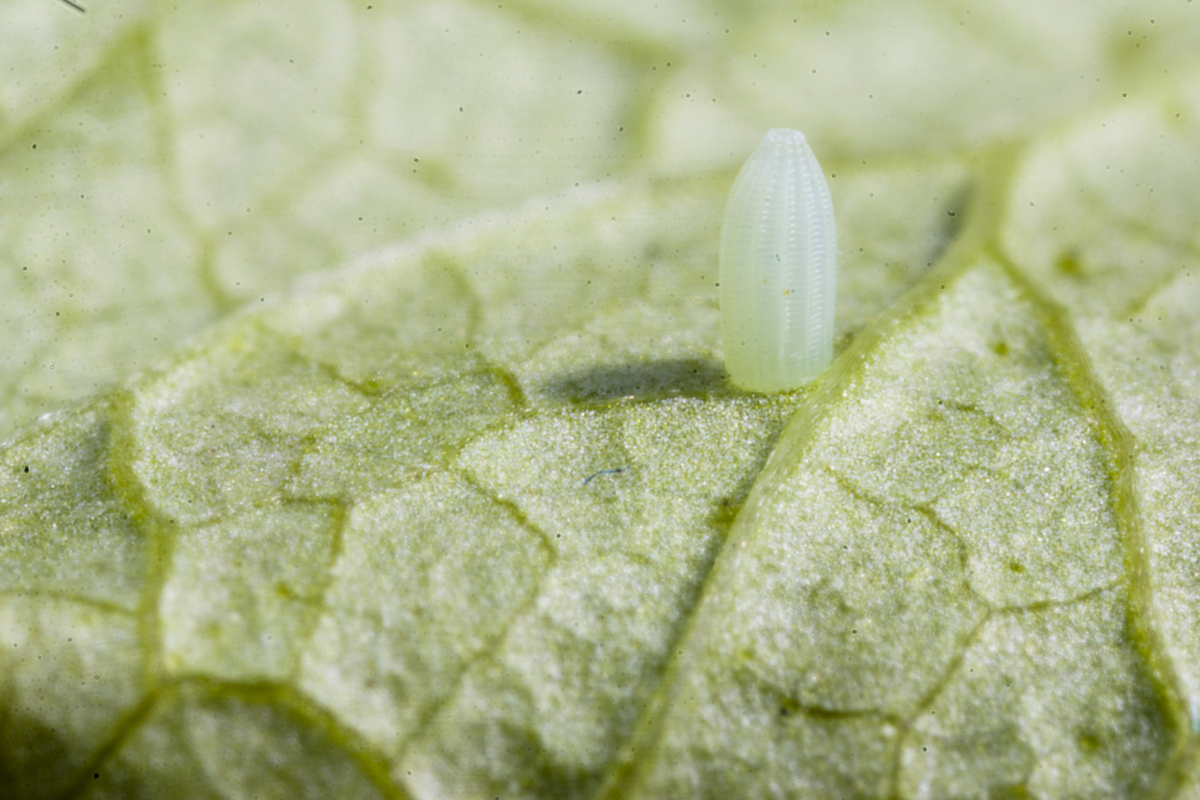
x=646, y=380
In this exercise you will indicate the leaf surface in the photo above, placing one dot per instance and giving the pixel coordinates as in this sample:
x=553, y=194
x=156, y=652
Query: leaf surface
x=390, y=450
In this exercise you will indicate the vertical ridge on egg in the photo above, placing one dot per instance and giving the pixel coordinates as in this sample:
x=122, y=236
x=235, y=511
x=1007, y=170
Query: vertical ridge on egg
x=778, y=267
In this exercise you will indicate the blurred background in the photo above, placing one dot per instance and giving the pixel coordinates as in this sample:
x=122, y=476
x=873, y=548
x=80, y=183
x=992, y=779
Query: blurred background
x=164, y=164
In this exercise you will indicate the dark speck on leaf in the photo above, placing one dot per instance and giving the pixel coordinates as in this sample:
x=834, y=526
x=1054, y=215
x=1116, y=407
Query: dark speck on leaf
x=1069, y=264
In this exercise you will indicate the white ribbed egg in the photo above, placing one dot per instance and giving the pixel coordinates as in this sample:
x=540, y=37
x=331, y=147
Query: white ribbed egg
x=778, y=268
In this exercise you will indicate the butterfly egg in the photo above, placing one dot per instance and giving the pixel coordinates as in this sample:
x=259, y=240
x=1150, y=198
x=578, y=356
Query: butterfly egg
x=778, y=268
